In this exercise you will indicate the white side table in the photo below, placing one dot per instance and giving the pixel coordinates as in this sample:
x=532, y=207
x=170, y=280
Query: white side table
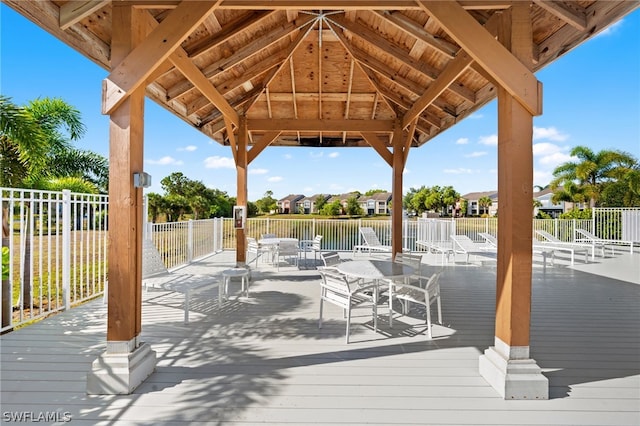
x=243, y=273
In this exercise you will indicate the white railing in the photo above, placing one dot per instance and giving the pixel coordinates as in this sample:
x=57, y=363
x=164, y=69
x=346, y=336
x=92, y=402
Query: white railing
x=57, y=252
x=180, y=243
x=608, y=223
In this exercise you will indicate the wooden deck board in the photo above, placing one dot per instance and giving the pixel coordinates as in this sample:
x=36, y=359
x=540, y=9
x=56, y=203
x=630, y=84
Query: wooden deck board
x=264, y=360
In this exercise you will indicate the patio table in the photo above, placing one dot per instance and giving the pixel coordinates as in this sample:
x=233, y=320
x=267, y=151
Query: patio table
x=377, y=270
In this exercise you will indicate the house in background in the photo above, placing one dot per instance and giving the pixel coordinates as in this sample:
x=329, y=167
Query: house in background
x=473, y=203
x=547, y=206
x=287, y=205
x=377, y=203
x=307, y=205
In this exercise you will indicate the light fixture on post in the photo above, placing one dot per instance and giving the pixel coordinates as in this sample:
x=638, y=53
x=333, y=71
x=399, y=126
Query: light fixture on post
x=141, y=180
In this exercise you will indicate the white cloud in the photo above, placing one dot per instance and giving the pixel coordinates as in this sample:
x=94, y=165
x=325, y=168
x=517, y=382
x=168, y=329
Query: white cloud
x=475, y=116
x=458, y=171
x=334, y=154
x=491, y=140
x=258, y=171
x=462, y=141
x=549, y=133
x=166, y=161
x=542, y=177
x=316, y=154
x=546, y=148
x=555, y=159
x=287, y=156
x=189, y=148
x=275, y=179
x=611, y=29
x=406, y=171
x=476, y=154
x=217, y=162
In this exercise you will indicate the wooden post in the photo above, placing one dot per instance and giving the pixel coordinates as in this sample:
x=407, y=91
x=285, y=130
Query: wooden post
x=241, y=198
x=396, y=189
x=507, y=365
x=126, y=362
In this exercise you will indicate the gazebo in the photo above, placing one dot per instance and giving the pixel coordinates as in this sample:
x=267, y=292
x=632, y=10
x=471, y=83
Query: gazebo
x=384, y=74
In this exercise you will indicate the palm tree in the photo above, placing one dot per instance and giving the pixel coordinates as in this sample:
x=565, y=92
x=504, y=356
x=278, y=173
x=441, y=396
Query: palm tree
x=590, y=172
x=484, y=202
x=31, y=137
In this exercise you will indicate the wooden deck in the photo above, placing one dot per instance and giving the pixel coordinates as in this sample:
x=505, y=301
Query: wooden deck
x=264, y=360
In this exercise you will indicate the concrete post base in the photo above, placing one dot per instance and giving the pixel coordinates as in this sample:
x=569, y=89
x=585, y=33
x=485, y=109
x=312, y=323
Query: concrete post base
x=513, y=377
x=118, y=372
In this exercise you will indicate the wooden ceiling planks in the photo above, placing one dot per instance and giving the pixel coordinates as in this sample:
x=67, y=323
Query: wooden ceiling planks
x=343, y=60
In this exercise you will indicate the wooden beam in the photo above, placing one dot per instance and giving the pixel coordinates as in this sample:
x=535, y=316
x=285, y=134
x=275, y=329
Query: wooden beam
x=354, y=4
x=259, y=146
x=194, y=75
x=396, y=191
x=153, y=51
x=509, y=72
x=404, y=23
x=397, y=52
x=74, y=11
x=316, y=125
x=575, y=19
x=241, y=180
x=373, y=139
x=449, y=74
x=126, y=156
x=407, y=143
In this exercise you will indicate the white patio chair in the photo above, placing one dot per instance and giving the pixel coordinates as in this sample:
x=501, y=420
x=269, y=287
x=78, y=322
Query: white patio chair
x=336, y=289
x=545, y=252
x=422, y=291
x=288, y=250
x=308, y=246
x=156, y=275
x=254, y=247
x=549, y=241
x=465, y=245
x=371, y=242
x=585, y=236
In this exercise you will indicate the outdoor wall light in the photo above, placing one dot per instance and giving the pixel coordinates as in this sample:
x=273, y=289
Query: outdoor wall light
x=141, y=180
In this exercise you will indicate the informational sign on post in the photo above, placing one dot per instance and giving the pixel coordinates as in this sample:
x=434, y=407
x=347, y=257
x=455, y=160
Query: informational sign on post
x=239, y=217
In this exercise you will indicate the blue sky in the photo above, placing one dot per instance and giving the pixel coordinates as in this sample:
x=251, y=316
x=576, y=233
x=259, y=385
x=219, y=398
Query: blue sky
x=591, y=98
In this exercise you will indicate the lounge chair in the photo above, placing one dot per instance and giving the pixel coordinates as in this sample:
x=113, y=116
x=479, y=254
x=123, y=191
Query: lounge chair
x=465, y=245
x=335, y=288
x=544, y=251
x=558, y=245
x=156, y=275
x=371, y=242
x=588, y=237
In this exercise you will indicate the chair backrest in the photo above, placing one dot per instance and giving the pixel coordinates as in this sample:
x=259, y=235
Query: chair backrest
x=316, y=242
x=152, y=263
x=586, y=234
x=412, y=259
x=330, y=258
x=369, y=236
x=547, y=236
x=288, y=248
x=433, y=286
x=264, y=236
x=489, y=238
x=335, y=288
x=463, y=242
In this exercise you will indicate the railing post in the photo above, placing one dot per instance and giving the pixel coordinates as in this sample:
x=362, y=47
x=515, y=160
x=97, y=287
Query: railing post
x=145, y=217
x=66, y=248
x=190, y=241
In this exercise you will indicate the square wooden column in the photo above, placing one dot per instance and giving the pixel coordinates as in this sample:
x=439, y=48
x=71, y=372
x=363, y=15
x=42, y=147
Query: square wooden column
x=241, y=197
x=507, y=366
x=126, y=361
x=396, y=189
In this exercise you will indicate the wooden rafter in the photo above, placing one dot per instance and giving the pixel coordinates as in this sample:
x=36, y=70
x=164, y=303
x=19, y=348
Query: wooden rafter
x=576, y=19
x=311, y=125
x=74, y=11
x=489, y=53
x=376, y=142
x=153, y=51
